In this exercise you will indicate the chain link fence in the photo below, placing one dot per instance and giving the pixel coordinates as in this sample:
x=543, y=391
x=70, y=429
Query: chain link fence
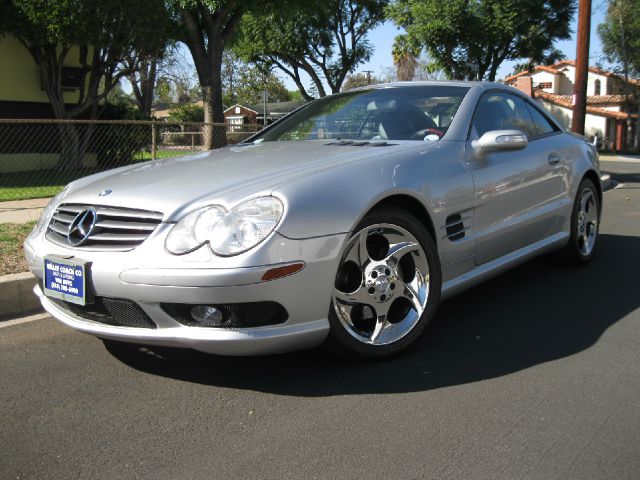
x=39, y=157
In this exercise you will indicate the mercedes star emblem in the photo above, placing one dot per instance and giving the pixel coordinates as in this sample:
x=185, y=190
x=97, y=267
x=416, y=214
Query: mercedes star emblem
x=81, y=227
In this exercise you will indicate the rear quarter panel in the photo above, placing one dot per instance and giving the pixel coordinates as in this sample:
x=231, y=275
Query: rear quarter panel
x=581, y=160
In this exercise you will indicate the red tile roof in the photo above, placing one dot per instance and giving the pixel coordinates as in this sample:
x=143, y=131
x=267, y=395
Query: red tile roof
x=555, y=68
x=595, y=99
x=537, y=68
x=596, y=70
x=566, y=102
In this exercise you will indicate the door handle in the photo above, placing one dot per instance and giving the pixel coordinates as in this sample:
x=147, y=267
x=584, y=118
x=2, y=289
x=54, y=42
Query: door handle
x=553, y=158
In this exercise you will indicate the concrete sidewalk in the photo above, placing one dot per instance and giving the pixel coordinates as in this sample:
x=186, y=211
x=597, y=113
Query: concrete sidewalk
x=607, y=157
x=22, y=211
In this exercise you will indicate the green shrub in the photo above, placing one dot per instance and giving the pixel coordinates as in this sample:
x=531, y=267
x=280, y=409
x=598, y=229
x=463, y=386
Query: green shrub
x=187, y=112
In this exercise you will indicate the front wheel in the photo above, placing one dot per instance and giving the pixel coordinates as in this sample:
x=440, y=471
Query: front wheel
x=387, y=287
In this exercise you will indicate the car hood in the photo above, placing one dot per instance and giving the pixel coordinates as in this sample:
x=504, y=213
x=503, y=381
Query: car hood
x=225, y=176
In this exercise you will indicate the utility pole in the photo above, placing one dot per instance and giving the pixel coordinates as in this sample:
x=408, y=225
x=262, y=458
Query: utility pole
x=368, y=72
x=265, y=97
x=582, y=66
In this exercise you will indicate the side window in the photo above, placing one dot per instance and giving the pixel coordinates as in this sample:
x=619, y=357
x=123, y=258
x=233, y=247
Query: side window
x=543, y=126
x=519, y=118
x=501, y=111
x=490, y=114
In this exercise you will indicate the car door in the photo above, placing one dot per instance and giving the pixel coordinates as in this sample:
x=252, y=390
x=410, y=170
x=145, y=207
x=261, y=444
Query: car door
x=515, y=191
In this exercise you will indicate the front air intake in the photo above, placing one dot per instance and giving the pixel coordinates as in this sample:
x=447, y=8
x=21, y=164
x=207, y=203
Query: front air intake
x=118, y=312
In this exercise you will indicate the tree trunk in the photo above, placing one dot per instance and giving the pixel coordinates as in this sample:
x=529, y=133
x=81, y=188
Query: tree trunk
x=69, y=147
x=207, y=58
x=143, y=84
x=74, y=141
x=147, y=85
x=207, y=130
x=214, y=109
x=493, y=71
x=214, y=136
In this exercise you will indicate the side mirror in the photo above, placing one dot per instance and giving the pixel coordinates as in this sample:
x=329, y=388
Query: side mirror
x=500, y=141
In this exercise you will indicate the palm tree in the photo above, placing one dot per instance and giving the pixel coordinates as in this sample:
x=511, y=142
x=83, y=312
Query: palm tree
x=405, y=57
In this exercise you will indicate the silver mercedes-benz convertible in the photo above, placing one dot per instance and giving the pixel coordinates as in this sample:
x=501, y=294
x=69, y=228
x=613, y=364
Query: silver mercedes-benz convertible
x=345, y=223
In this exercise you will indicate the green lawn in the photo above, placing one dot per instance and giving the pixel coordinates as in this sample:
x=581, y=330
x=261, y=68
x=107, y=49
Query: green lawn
x=39, y=184
x=11, y=256
x=25, y=193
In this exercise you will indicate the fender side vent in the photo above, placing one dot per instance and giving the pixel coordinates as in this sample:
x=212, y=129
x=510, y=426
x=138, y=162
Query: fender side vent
x=454, y=227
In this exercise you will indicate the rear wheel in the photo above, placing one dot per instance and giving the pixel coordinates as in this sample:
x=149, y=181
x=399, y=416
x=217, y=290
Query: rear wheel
x=387, y=287
x=585, y=224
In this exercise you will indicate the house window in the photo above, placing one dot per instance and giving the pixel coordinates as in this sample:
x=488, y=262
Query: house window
x=596, y=87
x=544, y=85
x=237, y=109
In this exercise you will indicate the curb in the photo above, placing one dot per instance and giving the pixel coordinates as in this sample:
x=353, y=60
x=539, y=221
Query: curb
x=16, y=296
x=607, y=182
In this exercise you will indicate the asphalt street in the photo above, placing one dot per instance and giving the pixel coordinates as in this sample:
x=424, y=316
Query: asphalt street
x=534, y=375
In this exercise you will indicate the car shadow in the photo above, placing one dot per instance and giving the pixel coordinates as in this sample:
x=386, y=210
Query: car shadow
x=537, y=313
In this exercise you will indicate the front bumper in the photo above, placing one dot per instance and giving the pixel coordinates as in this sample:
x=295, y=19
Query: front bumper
x=149, y=276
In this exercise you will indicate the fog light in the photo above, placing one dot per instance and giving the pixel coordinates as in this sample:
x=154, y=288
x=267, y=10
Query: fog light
x=206, y=315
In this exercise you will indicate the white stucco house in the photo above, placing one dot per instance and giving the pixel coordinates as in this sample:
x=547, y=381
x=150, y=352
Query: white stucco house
x=610, y=114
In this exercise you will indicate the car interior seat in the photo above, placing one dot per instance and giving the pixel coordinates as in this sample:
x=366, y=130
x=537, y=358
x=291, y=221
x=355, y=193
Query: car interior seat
x=404, y=122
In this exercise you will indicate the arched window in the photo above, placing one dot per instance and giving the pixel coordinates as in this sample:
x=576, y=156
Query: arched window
x=596, y=87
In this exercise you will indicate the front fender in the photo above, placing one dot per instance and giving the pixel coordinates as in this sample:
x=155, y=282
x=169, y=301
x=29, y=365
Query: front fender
x=334, y=201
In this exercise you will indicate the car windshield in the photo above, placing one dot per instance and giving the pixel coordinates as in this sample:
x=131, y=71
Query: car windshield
x=400, y=113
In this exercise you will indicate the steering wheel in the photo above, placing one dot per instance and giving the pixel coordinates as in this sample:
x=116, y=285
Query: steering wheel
x=420, y=134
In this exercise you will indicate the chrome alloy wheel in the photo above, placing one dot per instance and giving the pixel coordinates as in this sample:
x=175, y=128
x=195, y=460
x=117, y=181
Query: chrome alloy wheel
x=587, y=222
x=382, y=285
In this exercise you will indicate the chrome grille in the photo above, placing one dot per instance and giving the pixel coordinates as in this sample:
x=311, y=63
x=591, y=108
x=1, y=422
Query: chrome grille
x=115, y=229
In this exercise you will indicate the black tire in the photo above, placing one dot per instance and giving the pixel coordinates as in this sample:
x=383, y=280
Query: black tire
x=573, y=253
x=340, y=341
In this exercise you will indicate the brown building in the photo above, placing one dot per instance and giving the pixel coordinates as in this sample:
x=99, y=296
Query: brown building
x=238, y=116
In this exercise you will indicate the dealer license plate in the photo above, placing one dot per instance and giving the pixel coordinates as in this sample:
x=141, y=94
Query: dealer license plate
x=65, y=278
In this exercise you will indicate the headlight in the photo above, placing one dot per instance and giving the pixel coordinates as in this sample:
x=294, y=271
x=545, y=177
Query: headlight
x=45, y=217
x=227, y=233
